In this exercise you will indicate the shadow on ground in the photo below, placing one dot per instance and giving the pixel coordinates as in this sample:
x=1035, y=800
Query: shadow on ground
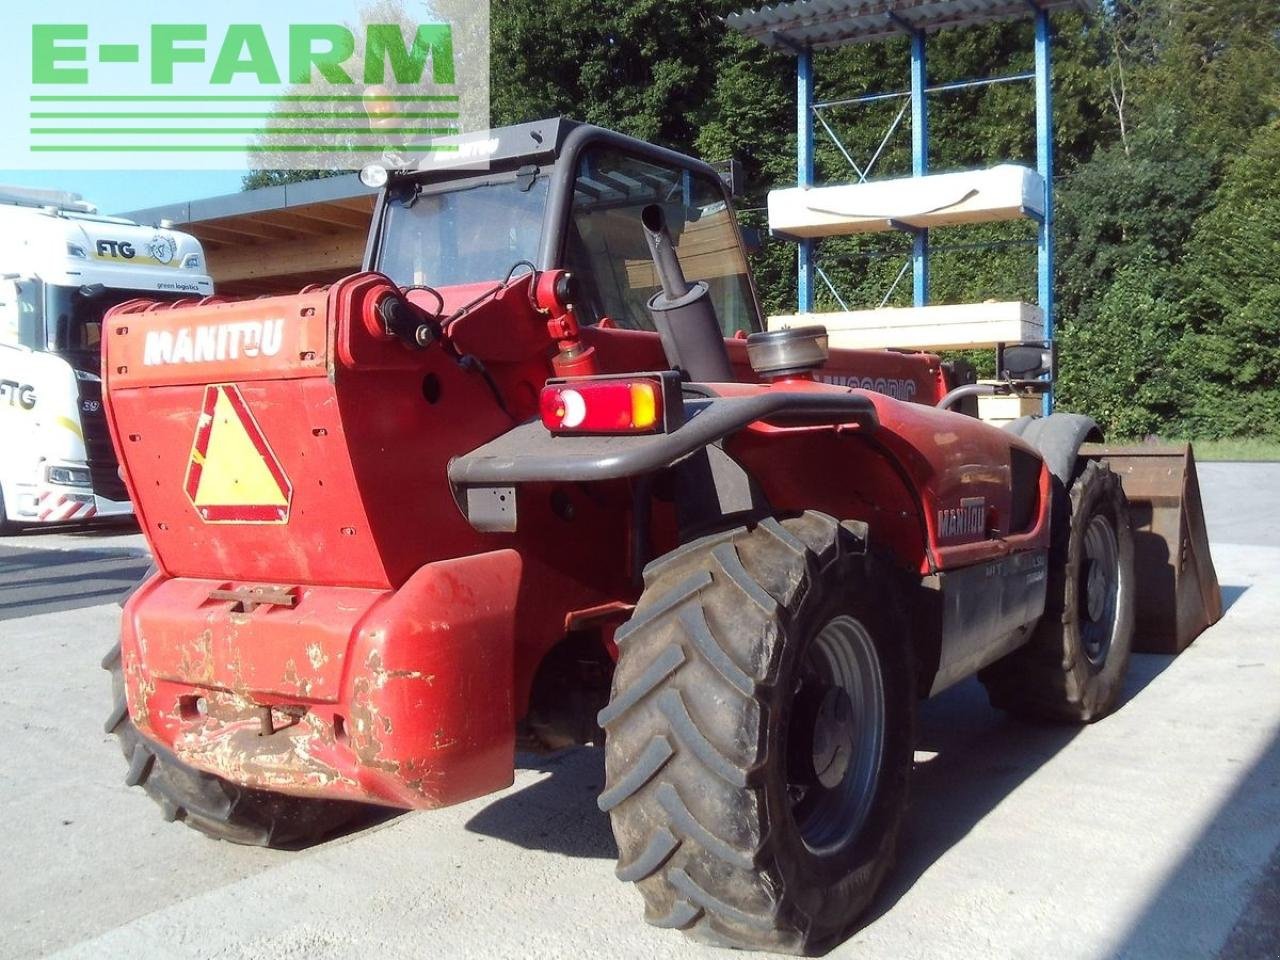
x=1197, y=911
x=95, y=532
x=45, y=581
x=970, y=758
x=558, y=813
x=1230, y=594
x=981, y=756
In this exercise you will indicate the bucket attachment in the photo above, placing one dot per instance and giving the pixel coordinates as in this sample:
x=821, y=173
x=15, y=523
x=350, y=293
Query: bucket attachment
x=1177, y=588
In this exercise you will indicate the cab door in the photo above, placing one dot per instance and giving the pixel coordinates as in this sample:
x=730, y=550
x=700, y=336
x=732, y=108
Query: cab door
x=605, y=247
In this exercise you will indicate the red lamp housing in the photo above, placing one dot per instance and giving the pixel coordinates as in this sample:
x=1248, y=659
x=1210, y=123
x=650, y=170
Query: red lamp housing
x=622, y=405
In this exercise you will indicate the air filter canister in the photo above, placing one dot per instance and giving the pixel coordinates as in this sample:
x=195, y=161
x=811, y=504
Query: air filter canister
x=789, y=352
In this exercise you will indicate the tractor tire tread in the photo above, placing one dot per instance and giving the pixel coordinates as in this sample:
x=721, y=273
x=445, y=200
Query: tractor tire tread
x=699, y=865
x=1050, y=678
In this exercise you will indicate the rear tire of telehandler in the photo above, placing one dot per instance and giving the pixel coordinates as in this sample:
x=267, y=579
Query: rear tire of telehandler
x=1073, y=669
x=216, y=807
x=759, y=737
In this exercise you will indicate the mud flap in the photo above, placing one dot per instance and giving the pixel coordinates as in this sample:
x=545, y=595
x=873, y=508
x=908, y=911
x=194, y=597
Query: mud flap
x=1177, y=587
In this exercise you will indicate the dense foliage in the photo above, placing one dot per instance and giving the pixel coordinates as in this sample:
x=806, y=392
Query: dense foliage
x=1168, y=161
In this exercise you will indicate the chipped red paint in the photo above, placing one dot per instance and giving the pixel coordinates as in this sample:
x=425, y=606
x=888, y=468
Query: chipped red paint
x=374, y=692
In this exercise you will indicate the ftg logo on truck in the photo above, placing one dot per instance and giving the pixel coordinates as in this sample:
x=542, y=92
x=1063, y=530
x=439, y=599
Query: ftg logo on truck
x=159, y=248
x=15, y=394
x=229, y=92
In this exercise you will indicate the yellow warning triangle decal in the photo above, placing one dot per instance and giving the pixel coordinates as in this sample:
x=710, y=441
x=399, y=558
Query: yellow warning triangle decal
x=233, y=475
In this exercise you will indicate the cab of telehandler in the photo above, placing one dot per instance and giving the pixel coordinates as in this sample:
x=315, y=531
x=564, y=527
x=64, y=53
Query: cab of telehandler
x=556, y=194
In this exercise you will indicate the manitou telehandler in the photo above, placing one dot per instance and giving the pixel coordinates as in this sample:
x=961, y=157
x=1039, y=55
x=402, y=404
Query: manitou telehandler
x=535, y=477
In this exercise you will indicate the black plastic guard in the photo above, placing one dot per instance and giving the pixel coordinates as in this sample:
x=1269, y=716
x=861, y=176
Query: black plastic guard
x=485, y=479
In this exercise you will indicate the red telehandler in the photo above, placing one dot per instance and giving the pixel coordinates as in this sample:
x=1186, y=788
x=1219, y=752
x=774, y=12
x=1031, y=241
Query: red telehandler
x=536, y=477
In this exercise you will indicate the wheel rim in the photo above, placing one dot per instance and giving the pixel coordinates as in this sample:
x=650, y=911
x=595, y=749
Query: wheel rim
x=1099, y=588
x=836, y=736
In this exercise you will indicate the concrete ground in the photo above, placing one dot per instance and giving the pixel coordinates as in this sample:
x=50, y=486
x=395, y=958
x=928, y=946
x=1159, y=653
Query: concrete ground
x=1153, y=834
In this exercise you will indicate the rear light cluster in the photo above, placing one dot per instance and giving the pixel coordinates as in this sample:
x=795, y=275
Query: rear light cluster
x=603, y=406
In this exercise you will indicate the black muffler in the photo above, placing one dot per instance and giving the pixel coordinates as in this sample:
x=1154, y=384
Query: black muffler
x=683, y=313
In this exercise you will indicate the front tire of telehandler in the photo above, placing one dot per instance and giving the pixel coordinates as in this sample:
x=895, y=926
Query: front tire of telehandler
x=1074, y=666
x=759, y=738
x=216, y=807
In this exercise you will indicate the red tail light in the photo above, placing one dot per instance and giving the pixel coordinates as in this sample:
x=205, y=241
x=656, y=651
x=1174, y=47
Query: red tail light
x=604, y=406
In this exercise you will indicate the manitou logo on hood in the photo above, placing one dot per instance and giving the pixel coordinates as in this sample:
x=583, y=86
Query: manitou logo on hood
x=210, y=343
x=967, y=520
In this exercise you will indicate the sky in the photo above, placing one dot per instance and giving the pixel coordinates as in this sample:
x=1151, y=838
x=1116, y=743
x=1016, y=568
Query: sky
x=121, y=191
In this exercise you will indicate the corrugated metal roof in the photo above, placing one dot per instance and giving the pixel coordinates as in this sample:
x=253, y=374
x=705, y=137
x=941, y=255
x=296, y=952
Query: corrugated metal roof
x=829, y=23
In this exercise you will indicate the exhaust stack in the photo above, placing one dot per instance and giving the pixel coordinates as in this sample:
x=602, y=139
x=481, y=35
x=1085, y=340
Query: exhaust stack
x=682, y=312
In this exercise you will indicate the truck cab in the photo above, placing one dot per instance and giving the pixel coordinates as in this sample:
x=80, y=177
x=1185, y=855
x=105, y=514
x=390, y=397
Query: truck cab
x=62, y=267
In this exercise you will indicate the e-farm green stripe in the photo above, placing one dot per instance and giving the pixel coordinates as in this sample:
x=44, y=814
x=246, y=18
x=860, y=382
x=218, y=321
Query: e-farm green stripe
x=234, y=98
x=96, y=115
x=215, y=131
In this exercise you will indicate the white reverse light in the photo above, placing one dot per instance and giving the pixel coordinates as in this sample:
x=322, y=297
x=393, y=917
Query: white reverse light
x=575, y=408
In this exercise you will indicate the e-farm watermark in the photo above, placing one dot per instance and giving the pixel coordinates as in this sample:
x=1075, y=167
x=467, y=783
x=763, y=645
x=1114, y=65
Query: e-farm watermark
x=333, y=84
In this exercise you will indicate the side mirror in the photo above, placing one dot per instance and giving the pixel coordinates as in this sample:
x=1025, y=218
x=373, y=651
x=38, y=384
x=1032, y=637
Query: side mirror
x=734, y=176
x=1026, y=361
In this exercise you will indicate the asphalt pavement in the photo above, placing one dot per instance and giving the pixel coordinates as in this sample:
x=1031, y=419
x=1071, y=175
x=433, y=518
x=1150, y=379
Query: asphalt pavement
x=1153, y=834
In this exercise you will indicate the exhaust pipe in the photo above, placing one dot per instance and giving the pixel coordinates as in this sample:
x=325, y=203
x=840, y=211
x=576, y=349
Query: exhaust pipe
x=683, y=313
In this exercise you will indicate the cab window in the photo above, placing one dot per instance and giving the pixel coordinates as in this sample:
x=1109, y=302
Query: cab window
x=20, y=312
x=462, y=233
x=606, y=248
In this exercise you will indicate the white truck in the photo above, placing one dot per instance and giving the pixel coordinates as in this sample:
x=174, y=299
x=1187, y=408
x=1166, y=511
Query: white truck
x=62, y=266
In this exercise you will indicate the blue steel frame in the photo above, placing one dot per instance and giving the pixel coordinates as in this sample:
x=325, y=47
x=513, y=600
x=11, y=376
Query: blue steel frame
x=1044, y=166
x=919, y=162
x=804, y=168
x=1043, y=76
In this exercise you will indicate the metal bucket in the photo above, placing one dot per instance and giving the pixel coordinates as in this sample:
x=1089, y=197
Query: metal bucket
x=1177, y=587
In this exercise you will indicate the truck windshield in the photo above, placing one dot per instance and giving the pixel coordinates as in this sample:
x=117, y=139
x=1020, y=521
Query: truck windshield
x=73, y=319
x=463, y=234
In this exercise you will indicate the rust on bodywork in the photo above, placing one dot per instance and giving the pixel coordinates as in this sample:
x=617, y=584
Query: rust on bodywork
x=298, y=757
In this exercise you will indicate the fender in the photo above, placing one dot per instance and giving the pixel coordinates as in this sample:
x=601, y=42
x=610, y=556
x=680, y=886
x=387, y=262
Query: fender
x=1058, y=438
x=484, y=480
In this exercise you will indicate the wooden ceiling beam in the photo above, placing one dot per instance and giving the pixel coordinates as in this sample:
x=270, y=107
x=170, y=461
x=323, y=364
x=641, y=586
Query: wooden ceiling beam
x=266, y=262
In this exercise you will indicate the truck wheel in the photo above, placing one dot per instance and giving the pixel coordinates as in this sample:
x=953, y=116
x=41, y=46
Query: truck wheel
x=216, y=807
x=759, y=737
x=1074, y=666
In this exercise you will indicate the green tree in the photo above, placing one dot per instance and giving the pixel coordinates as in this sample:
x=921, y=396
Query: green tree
x=1232, y=277
x=642, y=67
x=1125, y=206
x=1123, y=368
